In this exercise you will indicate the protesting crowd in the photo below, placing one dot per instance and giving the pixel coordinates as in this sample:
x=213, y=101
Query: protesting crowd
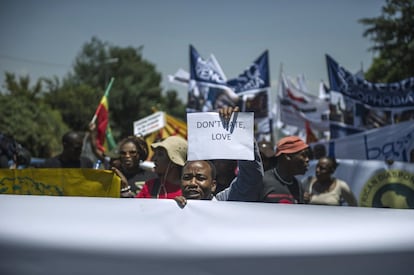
x=375, y=160
x=270, y=177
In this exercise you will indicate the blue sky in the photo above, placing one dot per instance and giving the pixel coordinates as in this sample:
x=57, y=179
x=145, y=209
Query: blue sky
x=41, y=38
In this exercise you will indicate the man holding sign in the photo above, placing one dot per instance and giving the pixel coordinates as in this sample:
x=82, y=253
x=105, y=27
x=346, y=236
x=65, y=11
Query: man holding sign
x=198, y=177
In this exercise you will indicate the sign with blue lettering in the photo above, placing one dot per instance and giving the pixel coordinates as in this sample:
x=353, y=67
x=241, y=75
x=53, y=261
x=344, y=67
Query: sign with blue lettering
x=358, y=105
x=392, y=142
x=381, y=95
x=210, y=137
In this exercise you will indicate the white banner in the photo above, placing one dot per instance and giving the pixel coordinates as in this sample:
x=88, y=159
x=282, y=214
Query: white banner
x=210, y=138
x=103, y=236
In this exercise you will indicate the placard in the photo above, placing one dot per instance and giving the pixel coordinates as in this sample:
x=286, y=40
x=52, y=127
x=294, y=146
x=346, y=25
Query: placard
x=209, y=137
x=149, y=124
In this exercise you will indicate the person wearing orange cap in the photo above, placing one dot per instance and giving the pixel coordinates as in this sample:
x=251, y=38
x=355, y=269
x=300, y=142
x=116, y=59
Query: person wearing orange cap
x=279, y=183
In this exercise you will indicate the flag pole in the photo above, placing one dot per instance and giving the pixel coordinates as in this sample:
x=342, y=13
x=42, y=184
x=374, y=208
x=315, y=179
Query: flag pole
x=108, y=88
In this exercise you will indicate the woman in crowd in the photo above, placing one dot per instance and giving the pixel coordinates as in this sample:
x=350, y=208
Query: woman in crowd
x=169, y=158
x=324, y=188
x=132, y=151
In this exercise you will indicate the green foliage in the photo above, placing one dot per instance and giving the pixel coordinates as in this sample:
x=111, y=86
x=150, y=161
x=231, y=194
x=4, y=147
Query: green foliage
x=136, y=89
x=174, y=105
x=38, y=116
x=393, y=37
x=22, y=87
x=77, y=104
x=93, y=65
x=33, y=124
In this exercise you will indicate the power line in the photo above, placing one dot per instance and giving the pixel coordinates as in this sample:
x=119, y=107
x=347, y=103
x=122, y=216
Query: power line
x=32, y=61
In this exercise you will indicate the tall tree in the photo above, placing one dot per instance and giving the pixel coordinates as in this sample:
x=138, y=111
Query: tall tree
x=21, y=86
x=28, y=119
x=136, y=88
x=174, y=105
x=37, y=116
x=393, y=37
x=75, y=102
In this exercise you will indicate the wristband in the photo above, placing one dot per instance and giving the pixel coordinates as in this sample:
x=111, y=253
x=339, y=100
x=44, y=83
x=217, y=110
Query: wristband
x=126, y=189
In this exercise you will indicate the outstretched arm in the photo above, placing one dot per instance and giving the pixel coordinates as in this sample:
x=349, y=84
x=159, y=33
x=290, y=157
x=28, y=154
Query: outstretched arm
x=125, y=188
x=249, y=181
x=92, y=138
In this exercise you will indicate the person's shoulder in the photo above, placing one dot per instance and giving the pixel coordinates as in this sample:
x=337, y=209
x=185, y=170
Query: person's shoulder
x=268, y=175
x=151, y=182
x=308, y=180
x=270, y=182
x=150, y=174
x=53, y=162
x=222, y=195
x=85, y=162
x=143, y=175
x=268, y=172
x=146, y=188
x=341, y=183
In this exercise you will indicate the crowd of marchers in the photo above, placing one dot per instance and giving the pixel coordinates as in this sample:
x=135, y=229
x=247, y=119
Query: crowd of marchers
x=271, y=177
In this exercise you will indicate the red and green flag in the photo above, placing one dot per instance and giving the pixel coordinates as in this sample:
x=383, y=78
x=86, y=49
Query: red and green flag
x=104, y=139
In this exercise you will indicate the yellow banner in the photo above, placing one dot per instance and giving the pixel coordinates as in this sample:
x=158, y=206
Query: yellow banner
x=60, y=182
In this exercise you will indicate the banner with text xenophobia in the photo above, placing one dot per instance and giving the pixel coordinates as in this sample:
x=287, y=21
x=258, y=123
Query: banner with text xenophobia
x=363, y=105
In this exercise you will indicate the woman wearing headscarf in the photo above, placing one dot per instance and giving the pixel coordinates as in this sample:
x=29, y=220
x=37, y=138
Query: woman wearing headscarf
x=169, y=158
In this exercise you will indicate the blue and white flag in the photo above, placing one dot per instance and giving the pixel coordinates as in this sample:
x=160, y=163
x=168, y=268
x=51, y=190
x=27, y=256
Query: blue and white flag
x=255, y=77
x=205, y=70
x=209, y=90
x=253, y=88
x=363, y=105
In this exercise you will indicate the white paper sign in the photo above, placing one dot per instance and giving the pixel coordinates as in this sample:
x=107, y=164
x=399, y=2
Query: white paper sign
x=149, y=124
x=209, y=138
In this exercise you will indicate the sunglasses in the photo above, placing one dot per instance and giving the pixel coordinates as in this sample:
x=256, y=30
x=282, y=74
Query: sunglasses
x=131, y=153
